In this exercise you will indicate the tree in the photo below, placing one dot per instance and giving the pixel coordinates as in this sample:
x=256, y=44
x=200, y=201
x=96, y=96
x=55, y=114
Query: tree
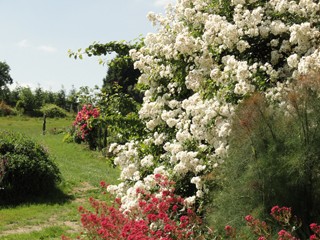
x=12, y=96
x=72, y=100
x=60, y=98
x=121, y=74
x=26, y=102
x=5, y=78
x=38, y=97
x=49, y=97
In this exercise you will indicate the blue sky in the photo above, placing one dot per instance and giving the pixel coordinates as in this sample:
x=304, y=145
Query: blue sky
x=35, y=37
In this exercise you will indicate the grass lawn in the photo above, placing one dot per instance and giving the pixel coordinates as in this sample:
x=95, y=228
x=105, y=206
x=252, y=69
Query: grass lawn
x=81, y=169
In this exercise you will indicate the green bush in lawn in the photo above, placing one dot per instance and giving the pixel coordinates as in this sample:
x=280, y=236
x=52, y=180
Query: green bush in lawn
x=26, y=167
x=53, y=111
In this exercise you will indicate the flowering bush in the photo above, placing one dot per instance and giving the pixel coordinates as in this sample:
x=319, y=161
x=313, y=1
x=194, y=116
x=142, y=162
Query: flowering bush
x=84, y=130
x=206, y=57
x=159, y=214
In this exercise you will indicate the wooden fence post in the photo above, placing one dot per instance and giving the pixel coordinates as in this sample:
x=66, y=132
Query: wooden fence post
x=44, y=124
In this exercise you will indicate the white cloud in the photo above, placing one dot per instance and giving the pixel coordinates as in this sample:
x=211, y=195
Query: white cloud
x=47, y=48
x=163, y=3
x=23, y=43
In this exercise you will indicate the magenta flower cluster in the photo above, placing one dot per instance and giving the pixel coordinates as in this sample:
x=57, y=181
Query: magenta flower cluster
x=82, y=122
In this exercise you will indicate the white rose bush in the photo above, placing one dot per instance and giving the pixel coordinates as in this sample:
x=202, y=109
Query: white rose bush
x=206, y=58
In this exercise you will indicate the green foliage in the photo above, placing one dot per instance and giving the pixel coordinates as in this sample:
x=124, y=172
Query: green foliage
x=53, y=111
x=273, y=158
x=98, y=49
x=68, y=138
x=124, y=128
x=28, y=169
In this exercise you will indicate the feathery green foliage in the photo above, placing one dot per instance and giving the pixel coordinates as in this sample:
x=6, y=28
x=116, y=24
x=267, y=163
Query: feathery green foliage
x=273, y=159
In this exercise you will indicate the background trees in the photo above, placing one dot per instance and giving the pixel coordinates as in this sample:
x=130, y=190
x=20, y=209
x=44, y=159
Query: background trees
x=5, y=78
x=24, y=100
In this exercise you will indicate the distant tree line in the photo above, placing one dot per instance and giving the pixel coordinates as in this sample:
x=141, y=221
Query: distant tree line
x=24, y=100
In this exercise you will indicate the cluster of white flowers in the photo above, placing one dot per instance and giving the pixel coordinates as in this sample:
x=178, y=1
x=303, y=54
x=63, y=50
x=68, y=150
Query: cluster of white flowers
x=197, y=67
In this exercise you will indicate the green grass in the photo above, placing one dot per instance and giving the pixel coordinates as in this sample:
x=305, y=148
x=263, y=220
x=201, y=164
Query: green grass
x=81, y=170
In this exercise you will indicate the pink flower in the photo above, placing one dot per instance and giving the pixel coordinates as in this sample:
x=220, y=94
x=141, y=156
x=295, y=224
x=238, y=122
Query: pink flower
x=313, y=237
x=261, y=238
x=274, y=209
x=315, y=227
x=284, y=235
x=248, y=218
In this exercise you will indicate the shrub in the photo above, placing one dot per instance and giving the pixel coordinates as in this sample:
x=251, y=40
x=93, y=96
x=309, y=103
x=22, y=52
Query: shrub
x=6, y=110
x=26, y=168
x=84, y=129
x=68, y=138
x=53, y=111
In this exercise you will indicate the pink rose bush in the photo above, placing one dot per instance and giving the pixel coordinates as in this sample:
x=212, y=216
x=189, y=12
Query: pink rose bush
x=84, y=129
